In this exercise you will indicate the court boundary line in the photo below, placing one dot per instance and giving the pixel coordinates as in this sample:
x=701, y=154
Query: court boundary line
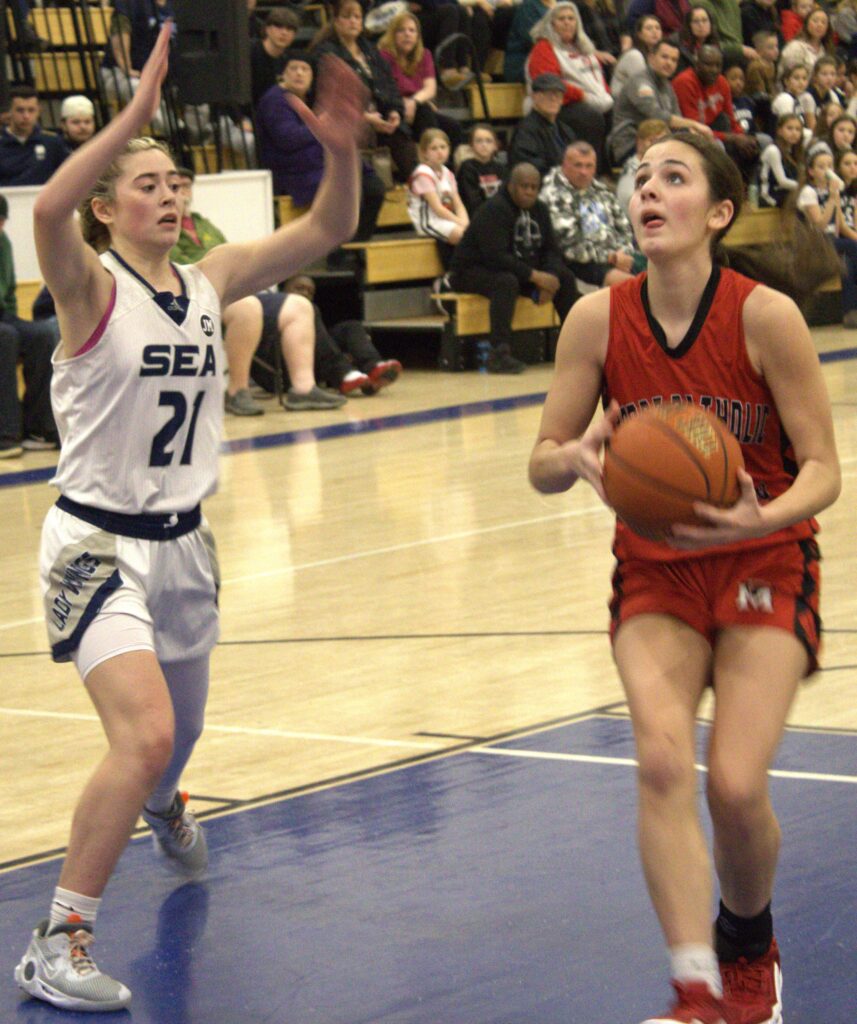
x=236, y=806
x=467, y=745
x=625, y=762
x=332, y=431
x=367, y=425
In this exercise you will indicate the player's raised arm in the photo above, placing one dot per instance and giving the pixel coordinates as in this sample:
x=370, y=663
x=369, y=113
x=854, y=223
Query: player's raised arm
x=337, y=122
x=69, y=266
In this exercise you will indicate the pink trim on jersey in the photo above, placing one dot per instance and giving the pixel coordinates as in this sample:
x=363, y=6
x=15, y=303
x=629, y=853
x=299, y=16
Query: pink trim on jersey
x=95, y=337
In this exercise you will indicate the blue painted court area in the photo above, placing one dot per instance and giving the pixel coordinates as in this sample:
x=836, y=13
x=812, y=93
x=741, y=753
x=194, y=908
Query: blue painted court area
x=489, y=886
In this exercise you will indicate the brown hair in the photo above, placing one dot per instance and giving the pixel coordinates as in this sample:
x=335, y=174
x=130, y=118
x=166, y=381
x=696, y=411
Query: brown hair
x=481, y=126
x=794, y=154
x=827, y=38
x=94, y=231
x=387, y=42
x=328, y=32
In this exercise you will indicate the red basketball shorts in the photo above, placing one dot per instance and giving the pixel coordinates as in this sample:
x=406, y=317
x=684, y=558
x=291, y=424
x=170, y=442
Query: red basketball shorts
x=775, y=586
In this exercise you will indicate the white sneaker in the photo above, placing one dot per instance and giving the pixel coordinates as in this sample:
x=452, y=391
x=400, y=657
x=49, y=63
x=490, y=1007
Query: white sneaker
x=58, y=968
x=178, y=836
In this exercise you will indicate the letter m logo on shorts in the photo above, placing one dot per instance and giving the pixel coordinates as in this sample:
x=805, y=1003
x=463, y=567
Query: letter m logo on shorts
x=754, y=596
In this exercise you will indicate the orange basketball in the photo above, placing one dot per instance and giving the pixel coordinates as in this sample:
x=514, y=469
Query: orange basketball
x=660, y=461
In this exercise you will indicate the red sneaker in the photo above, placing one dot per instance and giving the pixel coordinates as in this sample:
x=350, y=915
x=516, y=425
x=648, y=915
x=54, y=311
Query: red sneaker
x=352, y=383
x=382, y=374
x=753, y=989
x=695, y=1004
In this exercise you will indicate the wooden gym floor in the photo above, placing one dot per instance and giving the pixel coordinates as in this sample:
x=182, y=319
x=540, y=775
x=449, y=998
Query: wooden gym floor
x=398, y=606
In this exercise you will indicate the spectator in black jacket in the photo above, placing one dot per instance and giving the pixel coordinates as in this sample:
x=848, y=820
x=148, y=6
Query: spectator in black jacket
x=541, y=138
x=760, y=16
x=480, y=176
x=508, y=250
x=268, y=55
x=343, y=37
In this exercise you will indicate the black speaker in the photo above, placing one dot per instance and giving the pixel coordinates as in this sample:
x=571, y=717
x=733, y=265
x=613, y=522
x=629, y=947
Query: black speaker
x=211, y=55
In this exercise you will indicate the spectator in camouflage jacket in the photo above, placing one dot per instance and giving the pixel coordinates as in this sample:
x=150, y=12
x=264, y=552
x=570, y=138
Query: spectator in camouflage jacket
x=590, y=225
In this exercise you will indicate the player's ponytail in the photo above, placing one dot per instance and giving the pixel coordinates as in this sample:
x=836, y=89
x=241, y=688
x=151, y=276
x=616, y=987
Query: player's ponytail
x=96, y=233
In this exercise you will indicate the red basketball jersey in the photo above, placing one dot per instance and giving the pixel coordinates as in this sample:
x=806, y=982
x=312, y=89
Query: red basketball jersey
x=711, y=368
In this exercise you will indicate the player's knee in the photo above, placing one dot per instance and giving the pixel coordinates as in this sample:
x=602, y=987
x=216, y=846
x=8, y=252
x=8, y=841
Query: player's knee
x=242, y=312
x=188, y=731
x=295, y=308
x=735, y=797
x=152, y=752
x=662, y=770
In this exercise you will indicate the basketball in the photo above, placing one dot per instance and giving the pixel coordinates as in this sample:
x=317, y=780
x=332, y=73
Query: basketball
x=660, y=461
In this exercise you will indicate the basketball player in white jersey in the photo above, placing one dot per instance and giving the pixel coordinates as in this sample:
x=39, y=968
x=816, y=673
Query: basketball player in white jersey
x=127, y=563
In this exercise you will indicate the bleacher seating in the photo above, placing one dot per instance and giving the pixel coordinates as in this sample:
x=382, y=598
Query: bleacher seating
x=76, y=40
x=505, y=101
x=25, y=293
x=393, y=214
x=395, y=270
x=61, y=26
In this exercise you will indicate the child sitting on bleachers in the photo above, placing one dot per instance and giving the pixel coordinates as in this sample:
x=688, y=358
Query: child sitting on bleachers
x=781, y=162
x=481, y=175
x=846, y=168
x=434, y=205
x=794, y=99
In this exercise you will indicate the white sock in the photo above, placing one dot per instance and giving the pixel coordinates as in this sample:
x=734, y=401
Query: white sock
x=696, y=962
x=66, y=902
x=353, y=375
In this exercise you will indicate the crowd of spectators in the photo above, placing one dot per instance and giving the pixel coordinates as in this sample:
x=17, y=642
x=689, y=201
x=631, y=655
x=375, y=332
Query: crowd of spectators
x=774, y=82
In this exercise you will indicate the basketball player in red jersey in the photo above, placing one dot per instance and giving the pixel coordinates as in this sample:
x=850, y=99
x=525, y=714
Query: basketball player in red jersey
x=733, y=603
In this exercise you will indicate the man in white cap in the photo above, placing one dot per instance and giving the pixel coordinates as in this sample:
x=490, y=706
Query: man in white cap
x=77, y=121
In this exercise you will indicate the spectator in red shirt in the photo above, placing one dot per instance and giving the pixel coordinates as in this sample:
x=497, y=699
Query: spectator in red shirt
x=792, y=20
x=412, y=67
x=704, y=96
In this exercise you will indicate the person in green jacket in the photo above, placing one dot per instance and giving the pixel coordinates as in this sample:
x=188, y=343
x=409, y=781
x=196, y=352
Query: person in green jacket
x=726, y=18
x=198, y=234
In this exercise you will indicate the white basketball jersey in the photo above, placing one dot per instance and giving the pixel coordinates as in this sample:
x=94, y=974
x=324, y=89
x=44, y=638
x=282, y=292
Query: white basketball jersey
x=140, y=412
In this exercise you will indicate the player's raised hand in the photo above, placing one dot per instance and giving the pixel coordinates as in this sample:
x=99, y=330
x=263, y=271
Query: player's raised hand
x=147, y=97
x=341, y=97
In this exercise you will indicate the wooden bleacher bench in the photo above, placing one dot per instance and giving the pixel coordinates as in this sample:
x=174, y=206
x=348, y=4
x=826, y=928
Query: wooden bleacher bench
x=60, y=70
x=469, y=314
x=389, y=260
x=755, y=227
x=61, y=26
x=392, y=300
x=393, y=213
x=204, y=159
x=25, y=293
x=66, y=72
x=505, y=101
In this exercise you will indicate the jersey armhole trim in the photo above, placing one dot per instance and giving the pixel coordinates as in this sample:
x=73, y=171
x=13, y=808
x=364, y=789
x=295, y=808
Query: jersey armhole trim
x=97, y=334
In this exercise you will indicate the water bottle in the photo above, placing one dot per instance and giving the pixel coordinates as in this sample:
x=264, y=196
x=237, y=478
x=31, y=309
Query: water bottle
x=483, y=354
x=753, y=195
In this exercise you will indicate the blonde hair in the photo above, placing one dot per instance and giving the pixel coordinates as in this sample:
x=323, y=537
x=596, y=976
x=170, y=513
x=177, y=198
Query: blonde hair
x=652, y=128
x=387, y=43
x=94, y=231
x=428, y=137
